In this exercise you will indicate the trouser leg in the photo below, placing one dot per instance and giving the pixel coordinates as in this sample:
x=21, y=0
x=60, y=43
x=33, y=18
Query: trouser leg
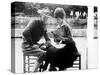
x=39, y=61
x=52, y=68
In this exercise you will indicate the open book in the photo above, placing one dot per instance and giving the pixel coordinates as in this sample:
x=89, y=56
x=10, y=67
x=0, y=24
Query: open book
x=56, y=44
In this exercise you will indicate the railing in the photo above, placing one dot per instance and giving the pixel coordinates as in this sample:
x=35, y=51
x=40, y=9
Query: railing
x=75, y=32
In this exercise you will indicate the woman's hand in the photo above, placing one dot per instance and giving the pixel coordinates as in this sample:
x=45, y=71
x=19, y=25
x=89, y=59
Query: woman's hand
x=61, y=38
x=48, y=43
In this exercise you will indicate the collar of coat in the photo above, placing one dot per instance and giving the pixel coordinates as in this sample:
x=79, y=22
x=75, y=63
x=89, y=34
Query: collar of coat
x=64, y=23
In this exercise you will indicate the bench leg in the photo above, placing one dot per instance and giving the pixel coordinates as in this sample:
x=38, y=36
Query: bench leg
x=28, y=64
x=24, y=65
x=80, y=62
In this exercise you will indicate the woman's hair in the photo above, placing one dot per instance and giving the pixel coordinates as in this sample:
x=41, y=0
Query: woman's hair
x=59, y=13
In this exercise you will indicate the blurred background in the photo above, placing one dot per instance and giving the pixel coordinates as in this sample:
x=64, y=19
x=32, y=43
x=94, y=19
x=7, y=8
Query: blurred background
x=23, y=11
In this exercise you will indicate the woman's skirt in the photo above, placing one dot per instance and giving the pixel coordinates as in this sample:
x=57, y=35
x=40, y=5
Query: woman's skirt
x=62, y=57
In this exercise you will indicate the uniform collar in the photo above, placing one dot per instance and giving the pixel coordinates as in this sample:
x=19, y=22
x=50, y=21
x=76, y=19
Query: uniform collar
x=64, y=23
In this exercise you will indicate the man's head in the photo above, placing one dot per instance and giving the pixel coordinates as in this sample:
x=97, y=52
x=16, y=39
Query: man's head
x=43, y=15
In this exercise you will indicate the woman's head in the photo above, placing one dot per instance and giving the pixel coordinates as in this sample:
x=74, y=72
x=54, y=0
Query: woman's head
x=59, y=14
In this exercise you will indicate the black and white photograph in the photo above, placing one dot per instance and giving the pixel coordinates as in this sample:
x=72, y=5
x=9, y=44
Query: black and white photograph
x=48, y=37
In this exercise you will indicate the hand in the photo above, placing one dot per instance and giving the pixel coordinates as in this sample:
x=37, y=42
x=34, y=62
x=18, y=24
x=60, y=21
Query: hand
x=60, y=38
x=35, y=46
x=48, y=43
x=43, y=47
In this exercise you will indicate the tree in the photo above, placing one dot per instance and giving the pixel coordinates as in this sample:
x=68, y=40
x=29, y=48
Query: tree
x=17, y=7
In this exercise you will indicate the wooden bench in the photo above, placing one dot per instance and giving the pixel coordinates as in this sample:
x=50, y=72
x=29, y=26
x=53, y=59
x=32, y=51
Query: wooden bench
x=34, y=57
x=29, y=61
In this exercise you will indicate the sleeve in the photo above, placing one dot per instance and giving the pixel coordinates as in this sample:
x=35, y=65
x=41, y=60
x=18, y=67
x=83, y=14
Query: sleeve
x=68, y=35
x=46, y=35
x=27, y=36
x=67, y=30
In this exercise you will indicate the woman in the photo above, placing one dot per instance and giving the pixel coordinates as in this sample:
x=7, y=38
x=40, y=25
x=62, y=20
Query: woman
x=62, y=58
